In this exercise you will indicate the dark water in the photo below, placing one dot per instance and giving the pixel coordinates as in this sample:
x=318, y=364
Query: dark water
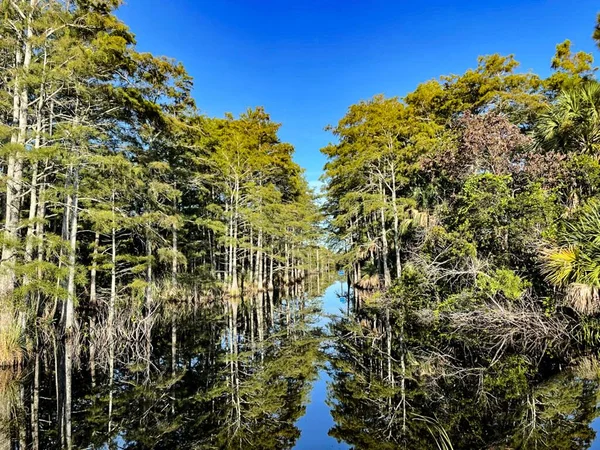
x=301, y=370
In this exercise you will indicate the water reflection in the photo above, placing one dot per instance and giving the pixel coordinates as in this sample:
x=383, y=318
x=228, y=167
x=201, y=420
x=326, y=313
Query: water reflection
x=239, y=373
x=235, y=373
x=390, y=390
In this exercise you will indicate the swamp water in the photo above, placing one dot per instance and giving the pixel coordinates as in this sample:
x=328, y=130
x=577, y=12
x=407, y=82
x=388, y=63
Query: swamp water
x=301, y=371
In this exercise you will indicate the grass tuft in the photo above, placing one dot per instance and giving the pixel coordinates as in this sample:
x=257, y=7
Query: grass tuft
x=11, y=341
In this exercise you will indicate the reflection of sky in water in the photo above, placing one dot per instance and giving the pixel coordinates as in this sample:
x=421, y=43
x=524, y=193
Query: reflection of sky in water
x=317, y=421
x=596, y=427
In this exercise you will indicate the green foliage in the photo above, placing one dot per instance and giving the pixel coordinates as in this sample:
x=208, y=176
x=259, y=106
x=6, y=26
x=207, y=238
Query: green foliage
x=509, y=378
x=574, y=260
x=493, y=83
x=569, y=69
x=504, y=282
x=453, y=245
x=489, y=166
x=503, y=223
x=572, y=123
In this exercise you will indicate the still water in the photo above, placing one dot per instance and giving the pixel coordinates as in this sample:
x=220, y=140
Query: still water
x=303, y=370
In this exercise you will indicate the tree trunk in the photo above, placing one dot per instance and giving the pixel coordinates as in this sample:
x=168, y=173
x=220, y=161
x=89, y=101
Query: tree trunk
x=286, y=274
x=39, y=232
x=384, y=243
x=68, y=391
x=173, y=343
x=69, y=317
x=111, y=312
x=271, y=286
x=234, y=290
x=251, y=263
x=149, y=302
x=396, y=226
x=148, y=269
x=384, y=252
x=94, y=270
x=35, y=403
x=259, y=263
x=174, y=264
x=229, y=268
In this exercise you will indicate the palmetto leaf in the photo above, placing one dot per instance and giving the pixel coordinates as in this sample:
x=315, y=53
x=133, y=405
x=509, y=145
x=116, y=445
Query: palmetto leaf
x=573, y=123
x=575, y=265
x=559, y=265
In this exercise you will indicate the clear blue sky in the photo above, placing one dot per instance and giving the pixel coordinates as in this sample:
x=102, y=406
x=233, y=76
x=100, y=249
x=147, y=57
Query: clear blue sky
x=306, y=61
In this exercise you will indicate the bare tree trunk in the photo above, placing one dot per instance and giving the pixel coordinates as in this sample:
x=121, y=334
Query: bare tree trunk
x=234, y=262
x=385, y=252
x=385, y=249
x=259, y=263
x=33, y=196
x=111, y=376
x=35, y=403
x=149, y=304
x=271, y=308
x=32, y=215
x=69, y=317
x=94, y=270
x=251, y=264
x=7, y=274
x=29, y=241
x=13, y=192
x=229, y=268
x=318, y=262
x=113, y=275
x=388, y=332
x=93, y=304
x=41, y=214
x=15, y=164
x=58, y=385
x=234, y=308
x=174, y=249
x=260, y=315
x=286, y=273
x=173, y=321
x=396, y=225
x=68, y=391
x=271, y=286
x=173, y=343
x=69, y=321
x=66, y=223
x=148, y=269
x=403, y=368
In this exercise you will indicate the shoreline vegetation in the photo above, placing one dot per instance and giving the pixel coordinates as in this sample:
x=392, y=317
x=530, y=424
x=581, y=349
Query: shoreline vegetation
x=117, y=191
x=226, y=373
x=467, y=218
x=154, y=256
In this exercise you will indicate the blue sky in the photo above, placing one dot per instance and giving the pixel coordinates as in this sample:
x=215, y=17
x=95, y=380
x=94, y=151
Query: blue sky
x=307, y=61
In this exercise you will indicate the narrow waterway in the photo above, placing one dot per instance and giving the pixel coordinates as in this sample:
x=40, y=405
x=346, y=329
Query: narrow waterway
x=301, y=370
x=317, y=422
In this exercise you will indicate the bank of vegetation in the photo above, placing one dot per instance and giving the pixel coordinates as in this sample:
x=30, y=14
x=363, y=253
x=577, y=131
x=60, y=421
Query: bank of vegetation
x=467, y=215
x=116, y=192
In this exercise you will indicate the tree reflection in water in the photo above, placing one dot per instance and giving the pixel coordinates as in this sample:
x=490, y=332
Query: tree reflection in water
x=237, y=373
x=234, y=374
x=410, y=397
